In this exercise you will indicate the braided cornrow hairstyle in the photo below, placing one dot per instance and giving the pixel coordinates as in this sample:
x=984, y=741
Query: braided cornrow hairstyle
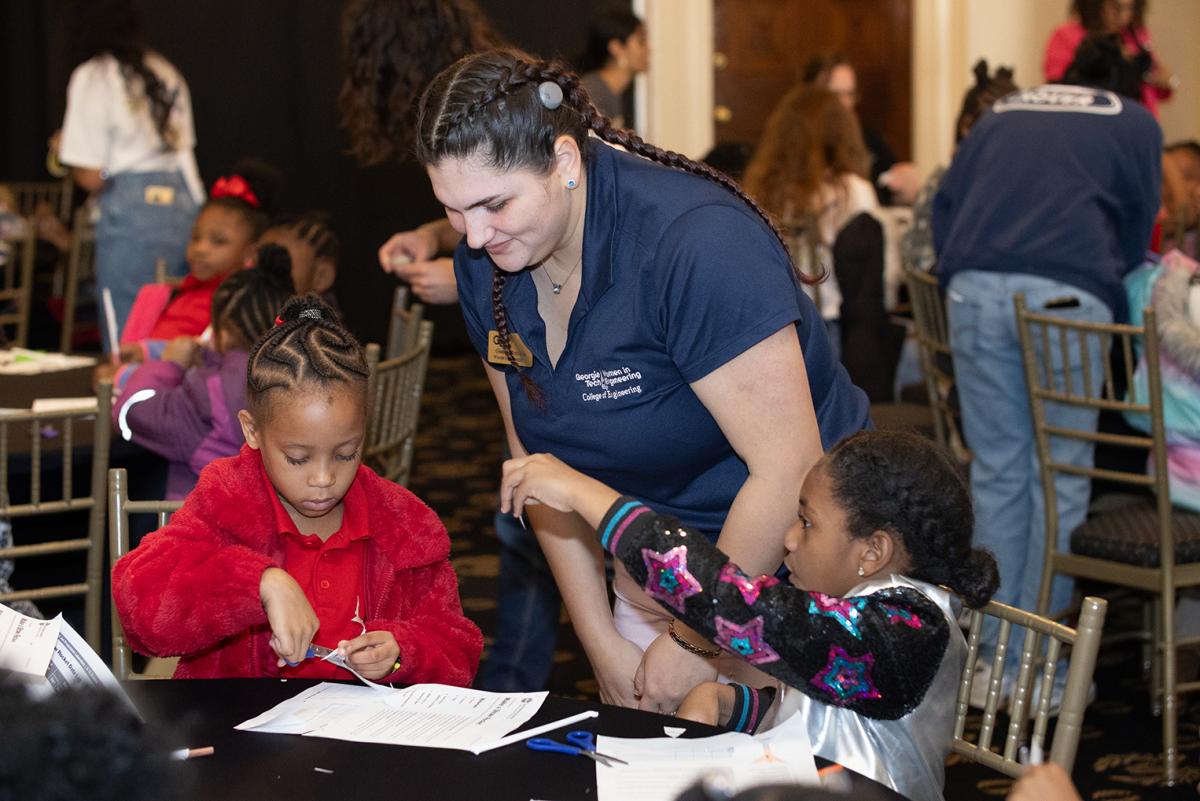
x=487, y=105
x=246, y=302
x=904, y=484
x=307, y=347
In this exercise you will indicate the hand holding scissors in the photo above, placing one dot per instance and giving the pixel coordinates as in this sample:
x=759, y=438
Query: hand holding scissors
x=579, y=743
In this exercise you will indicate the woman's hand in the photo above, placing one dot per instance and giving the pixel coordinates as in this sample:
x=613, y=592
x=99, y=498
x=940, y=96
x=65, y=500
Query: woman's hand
x=710, y=702
x=372, y=654
x=668, y=673
x=614, y=666
x=292, y=619
x=542, y=478
x=419, y=244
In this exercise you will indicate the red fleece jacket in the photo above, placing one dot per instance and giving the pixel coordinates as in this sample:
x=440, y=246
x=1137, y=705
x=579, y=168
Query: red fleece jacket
x=191, y=588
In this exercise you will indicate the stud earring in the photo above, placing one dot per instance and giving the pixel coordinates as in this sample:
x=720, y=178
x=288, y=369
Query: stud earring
x=571, y=183
x=861, y=571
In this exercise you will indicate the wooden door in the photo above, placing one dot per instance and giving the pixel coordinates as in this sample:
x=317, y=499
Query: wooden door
x=761, y=47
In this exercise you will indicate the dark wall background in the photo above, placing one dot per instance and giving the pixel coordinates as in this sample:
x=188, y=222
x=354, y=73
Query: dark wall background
x=264, y=76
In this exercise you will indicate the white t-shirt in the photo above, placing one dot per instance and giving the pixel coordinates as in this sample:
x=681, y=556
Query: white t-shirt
x=109, y=129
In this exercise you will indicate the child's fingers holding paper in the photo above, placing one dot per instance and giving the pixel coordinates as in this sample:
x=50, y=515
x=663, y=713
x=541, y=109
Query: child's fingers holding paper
x=373, y=654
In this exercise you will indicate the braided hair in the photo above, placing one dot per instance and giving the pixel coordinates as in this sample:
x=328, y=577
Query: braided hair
x=307, y=346
x=487, y=105
x=904, y=484
x=245, y=303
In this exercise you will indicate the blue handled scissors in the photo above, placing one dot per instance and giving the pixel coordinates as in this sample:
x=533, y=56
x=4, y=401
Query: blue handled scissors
x=579, y=743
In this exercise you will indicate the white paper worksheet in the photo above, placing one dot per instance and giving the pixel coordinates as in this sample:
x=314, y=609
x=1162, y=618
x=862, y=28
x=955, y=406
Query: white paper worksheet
x=429, y=715
x=660, y=768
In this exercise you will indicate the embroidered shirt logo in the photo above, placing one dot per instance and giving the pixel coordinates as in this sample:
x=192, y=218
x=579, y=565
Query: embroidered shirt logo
x=602, y=385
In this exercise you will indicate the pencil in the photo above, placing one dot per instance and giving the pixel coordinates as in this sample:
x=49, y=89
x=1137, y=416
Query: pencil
x=192, y=753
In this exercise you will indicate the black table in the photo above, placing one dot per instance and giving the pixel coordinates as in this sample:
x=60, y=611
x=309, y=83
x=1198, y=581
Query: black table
x=248, y=765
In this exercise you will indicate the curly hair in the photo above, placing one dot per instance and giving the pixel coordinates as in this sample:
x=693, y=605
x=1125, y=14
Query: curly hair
x=488, y=105
x=906, y=485
x=391, y=49
x=307, y=346
x=114, y=27
x=81, y=742
x=810, y=139
x=988, y=88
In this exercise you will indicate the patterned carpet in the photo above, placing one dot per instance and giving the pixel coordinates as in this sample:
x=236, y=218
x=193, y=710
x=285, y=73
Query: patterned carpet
x=456, y=470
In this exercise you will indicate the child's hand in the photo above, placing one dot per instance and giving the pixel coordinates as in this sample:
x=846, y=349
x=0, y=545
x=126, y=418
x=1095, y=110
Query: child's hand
x=131, y=352
x=293, y=622
x=183, y=350
x=541, y=478
x=1048, y=782
x=710, y=702
x=373, y=654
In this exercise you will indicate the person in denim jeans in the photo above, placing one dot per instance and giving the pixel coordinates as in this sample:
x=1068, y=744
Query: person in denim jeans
x=1052, y=195
x=128, y=137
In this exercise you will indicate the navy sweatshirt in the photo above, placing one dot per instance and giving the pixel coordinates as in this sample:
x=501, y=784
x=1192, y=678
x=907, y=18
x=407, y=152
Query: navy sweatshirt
x=1057, y=181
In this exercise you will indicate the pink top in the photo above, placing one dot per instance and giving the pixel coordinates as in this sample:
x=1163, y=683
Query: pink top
x=1060, y=52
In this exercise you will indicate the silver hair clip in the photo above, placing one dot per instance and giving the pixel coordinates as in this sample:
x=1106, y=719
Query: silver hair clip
x=550, y=94
x=311, y=314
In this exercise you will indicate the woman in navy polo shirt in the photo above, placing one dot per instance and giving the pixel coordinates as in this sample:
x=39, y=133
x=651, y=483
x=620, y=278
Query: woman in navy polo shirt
x=639, y=319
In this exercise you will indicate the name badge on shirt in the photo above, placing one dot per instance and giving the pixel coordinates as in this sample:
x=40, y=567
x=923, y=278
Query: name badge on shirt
x=159, y=195
x=496, y=354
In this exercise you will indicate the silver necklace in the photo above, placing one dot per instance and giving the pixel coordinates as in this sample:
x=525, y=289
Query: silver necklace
x=556, y=286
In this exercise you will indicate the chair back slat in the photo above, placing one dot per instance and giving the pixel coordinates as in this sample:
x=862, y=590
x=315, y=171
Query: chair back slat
x=16, y=285
x=933, y=347
x=1042, y=647
x=404, y=326
x=395, y=389
x=59, y=195
x=72, y=497
x=120, y=509
x=81, y=261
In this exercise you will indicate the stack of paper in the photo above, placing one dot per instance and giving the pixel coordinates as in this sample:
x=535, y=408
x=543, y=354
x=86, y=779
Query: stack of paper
x=20, y=361
x=661, y=768
x=429, y=715
x=50, y=654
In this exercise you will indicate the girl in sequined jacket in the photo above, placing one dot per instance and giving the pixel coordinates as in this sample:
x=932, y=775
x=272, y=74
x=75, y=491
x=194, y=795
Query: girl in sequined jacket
x=861, y=636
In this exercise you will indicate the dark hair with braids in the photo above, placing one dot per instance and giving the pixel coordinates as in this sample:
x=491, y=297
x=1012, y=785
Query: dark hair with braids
x=988, y=88
x=391, y=49
x=263, y=180
x=906, y=485
x=313, y=246
x=114, y=27
x=307, y=347
x=487, y=105
x=245, y=303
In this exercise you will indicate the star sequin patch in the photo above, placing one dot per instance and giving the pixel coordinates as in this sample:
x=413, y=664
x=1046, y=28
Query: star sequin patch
x=846, y=611
x=745, y=640
x=667, y=577
x=847, y=678
x=748, y=587
x=896, y=615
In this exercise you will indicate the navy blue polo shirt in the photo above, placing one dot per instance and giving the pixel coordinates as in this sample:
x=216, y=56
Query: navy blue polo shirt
x=678, y=278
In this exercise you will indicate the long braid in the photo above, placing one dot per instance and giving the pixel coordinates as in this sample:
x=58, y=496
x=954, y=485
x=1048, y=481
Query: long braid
x=500, y=316
x=307, y=346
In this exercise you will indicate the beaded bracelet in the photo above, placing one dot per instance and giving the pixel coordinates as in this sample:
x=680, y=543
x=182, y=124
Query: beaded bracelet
x=687, y=646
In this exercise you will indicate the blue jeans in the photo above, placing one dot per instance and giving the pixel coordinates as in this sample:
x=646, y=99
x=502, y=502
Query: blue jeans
x=526, y=616
x=1006, y=483
x=144, y=217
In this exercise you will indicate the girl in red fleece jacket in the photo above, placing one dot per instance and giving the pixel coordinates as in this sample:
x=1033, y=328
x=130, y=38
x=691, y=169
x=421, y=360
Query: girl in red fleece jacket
x=293, y=542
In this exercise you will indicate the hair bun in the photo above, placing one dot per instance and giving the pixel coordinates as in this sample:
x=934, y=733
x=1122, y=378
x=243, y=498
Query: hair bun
x=307, y=308
x=977, y=578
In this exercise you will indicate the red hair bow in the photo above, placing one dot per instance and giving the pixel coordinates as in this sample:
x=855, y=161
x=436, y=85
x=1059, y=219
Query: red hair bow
x=235, y=186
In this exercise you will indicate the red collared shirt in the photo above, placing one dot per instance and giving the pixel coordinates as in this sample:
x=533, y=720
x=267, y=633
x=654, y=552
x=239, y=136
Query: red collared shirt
x=331, y=575
x=189, y=311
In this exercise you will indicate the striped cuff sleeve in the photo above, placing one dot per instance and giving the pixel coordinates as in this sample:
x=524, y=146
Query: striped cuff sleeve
x=623, y=512
x=750, y=705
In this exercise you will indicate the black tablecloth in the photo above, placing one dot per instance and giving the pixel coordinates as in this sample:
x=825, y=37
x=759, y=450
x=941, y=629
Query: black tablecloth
x=280, y=766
